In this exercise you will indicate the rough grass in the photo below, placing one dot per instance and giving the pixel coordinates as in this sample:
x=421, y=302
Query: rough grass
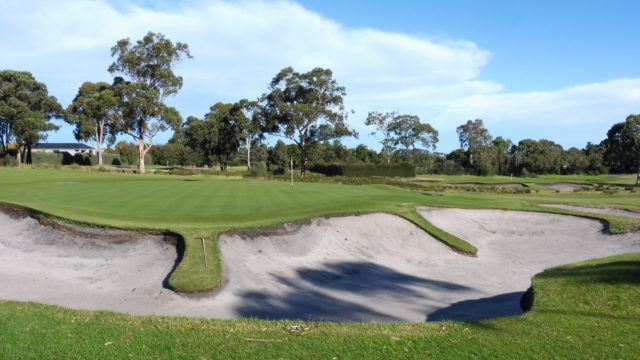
x=587, y=310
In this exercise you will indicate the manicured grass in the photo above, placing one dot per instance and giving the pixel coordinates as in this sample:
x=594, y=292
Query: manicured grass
x=203, y=206
x=582, y=311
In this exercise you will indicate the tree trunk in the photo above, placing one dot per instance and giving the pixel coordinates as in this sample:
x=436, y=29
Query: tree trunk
x=249, y=156
x=28, y=157
x=99, y=154
x=303, y=157
x=141, y=153
x=99, y=138
x=18, y=156
x=638, y=177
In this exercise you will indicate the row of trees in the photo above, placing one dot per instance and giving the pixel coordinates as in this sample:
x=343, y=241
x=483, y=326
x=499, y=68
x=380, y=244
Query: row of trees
x=305, y=108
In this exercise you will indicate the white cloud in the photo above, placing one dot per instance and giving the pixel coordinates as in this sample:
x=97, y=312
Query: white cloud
x=239, y=46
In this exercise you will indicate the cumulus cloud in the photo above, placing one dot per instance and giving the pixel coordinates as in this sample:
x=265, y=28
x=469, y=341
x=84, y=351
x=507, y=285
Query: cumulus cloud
x=239, y=46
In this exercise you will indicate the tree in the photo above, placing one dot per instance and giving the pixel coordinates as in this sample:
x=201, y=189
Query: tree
x=126, y=152
x=306, y=108
x=94, y=113
x=401, y=130
x=148, y=66
x=473, y=135
x=25, y=111
x=595, y=158
x=538, y=157
x=202, y=137
x=501, y=157
x=229, y=121
x=574, y=161
x=622, y=146
x=255, y=125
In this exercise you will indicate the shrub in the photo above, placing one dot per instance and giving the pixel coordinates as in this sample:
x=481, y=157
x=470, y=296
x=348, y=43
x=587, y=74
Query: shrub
x=46, y=158
x=365, y=169
x=258, y=169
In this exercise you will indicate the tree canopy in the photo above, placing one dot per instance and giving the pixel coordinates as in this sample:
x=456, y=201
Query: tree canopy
x=25, y=111
x=622, y=146
x=94, y=114
x=147, y=67
x=307, y=108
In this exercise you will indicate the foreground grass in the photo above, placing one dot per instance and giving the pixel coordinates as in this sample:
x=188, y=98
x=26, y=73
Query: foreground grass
x=198, y=207
x=583, y=311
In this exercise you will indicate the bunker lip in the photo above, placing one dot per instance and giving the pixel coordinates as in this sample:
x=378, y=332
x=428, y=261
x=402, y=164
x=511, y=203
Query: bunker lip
x=604, y=210
x=374, y=267
x=85, y=230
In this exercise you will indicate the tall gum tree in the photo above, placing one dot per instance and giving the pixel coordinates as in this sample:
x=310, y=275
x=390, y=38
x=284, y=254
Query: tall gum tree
x=473, y=136
x=25, y=111
x=147, y=67
x=401, y=130
x=94, y=114
x=306, y=108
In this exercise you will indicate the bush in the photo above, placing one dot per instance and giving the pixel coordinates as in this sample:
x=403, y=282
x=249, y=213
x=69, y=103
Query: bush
x=258, y=169
x=365, y=169
x=46, y=158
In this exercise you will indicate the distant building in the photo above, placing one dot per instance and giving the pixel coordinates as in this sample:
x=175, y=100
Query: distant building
x=71, y=148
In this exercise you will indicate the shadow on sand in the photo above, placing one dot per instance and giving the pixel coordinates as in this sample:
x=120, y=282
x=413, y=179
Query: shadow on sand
x=481, y=309
x=306, y=299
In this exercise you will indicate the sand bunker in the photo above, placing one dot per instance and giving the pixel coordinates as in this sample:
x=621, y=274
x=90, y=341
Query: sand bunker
x=375, y=267
x=565, y=186
x=596, y=210
x=510, y=185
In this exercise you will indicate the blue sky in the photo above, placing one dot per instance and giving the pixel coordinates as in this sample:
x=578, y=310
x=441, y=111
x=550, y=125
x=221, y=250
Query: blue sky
x=561, y=70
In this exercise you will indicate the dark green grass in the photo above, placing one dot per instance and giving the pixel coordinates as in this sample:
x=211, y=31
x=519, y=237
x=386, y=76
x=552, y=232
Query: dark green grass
x=626, y=179
x=582, y=311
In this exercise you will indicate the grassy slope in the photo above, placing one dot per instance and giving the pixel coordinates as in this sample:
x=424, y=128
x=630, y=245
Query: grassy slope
x=582, y=311
x=200, y=206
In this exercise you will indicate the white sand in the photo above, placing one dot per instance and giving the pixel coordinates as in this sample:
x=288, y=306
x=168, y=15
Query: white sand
x=565, y=186
x=374, y=267
x=596, y=210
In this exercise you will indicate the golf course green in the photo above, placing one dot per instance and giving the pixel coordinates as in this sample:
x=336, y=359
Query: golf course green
x=590, y=307
x=197, y=207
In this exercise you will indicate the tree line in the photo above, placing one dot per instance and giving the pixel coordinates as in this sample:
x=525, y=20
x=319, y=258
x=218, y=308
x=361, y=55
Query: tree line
x=307, y=109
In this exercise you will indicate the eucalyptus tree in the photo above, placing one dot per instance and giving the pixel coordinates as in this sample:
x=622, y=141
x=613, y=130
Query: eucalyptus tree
x=401, y=131
x=147, y=67
x=473, y=137
x=25, y=111
x=306, y=108
x=94, y=114
x=255, y=125
x=622, y=146
x=230, y=122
